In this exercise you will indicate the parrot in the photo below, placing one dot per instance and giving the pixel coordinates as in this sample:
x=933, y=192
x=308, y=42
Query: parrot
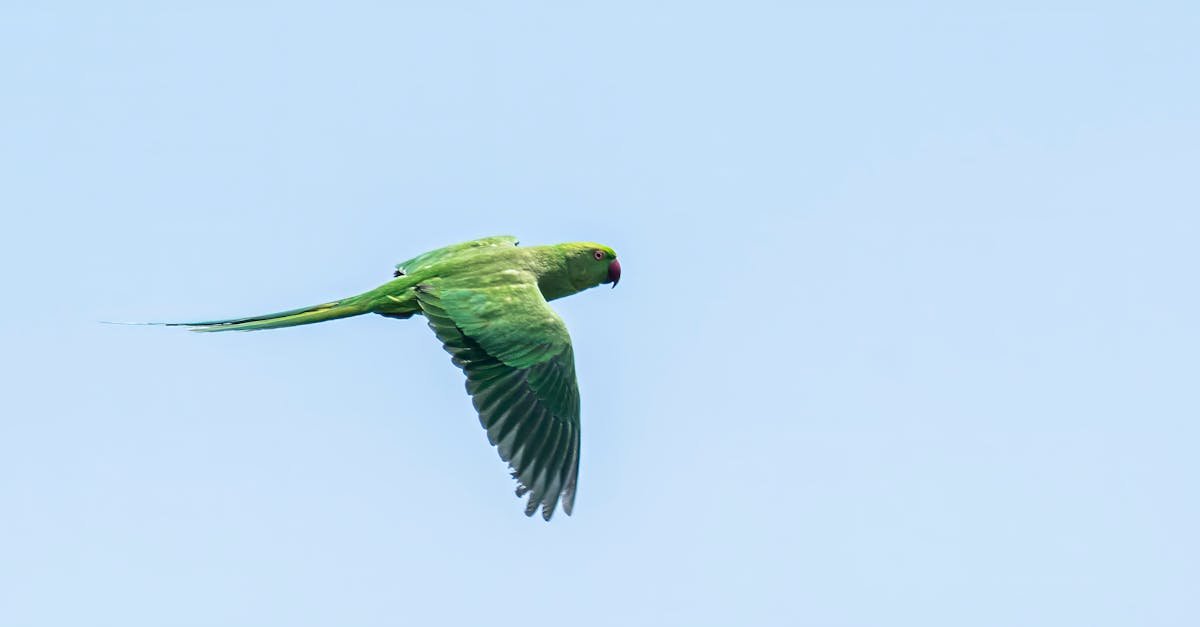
x=487, y=301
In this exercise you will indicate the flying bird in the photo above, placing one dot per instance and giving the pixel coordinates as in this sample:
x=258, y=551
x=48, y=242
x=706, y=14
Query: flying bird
x=487, y=302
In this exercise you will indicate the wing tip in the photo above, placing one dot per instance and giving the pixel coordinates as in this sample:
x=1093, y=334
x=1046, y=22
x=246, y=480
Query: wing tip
x=548, y=504
x=568, y=500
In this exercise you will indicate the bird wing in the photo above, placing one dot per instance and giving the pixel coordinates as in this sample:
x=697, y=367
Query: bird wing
x=520, y=369
x=424, y=259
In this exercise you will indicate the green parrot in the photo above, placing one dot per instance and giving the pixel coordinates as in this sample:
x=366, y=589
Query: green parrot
x=486, y=300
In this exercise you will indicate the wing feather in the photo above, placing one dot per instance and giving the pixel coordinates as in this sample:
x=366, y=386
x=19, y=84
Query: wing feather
x=433, y=256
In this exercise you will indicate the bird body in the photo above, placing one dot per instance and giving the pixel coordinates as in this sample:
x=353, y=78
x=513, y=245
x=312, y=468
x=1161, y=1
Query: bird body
x=486, y=300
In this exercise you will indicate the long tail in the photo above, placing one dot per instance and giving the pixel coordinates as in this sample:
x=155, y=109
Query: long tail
x=345, y=308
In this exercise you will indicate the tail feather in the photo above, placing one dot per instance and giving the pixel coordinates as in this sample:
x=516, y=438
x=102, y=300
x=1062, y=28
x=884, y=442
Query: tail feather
x=293, y=317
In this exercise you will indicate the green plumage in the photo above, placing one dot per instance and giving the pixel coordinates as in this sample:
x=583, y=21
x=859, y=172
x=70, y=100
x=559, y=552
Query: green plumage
x=486, y=300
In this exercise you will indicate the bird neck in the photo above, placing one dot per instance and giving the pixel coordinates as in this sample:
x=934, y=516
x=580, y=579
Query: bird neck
x=553, y=272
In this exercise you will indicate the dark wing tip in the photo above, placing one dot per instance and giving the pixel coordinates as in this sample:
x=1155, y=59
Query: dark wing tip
x=548, y=503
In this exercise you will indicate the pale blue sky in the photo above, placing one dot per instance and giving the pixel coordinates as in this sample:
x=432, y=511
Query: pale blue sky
x=907, y=333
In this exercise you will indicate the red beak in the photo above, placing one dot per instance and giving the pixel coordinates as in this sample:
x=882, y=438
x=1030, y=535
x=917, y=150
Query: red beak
x=614, y=272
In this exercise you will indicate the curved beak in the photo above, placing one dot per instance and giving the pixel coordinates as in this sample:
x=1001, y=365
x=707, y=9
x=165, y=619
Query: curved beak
x=614, y=272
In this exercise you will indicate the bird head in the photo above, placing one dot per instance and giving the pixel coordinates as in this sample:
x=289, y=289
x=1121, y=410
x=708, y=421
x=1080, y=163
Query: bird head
x=591, y=264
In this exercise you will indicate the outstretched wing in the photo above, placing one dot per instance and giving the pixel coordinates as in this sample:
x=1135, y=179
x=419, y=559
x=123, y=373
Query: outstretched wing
x=520, y=371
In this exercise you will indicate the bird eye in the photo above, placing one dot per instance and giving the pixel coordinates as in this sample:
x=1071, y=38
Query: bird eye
x=599, y=254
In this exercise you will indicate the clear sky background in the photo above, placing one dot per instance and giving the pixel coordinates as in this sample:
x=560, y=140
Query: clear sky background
x=907, y=335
